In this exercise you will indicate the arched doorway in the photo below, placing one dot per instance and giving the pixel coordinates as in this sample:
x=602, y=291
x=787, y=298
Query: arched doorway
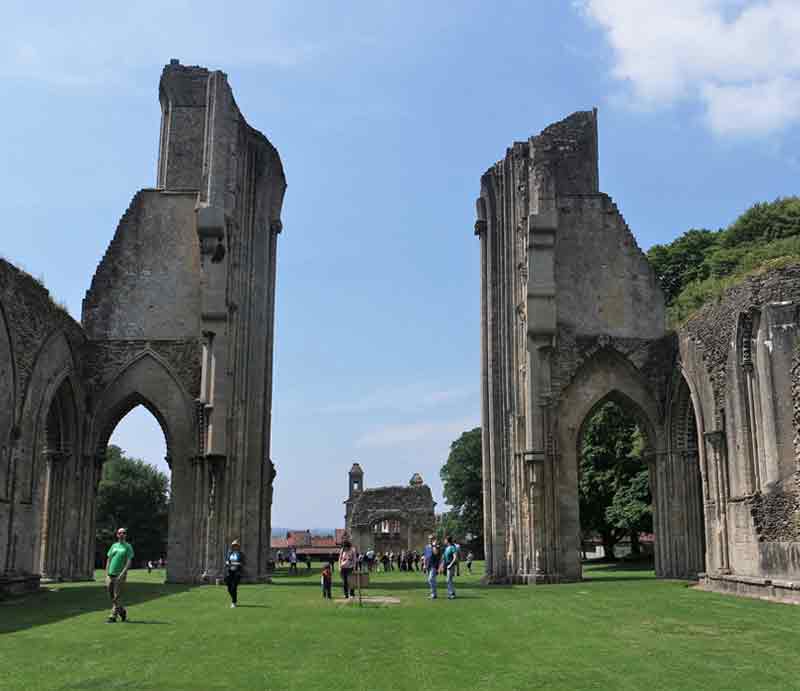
x=57, y=552
x=615, y=499
x=607, y=377
x=149, y=382
x=682, y=492
x=134, y=488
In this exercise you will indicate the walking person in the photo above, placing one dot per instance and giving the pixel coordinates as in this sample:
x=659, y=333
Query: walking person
x=325, y=581
x=347, y=562
x=293, y=562
x=118, y=561
x=432, y=557
x=234, y=563
x=450, y=565
x=470, y=557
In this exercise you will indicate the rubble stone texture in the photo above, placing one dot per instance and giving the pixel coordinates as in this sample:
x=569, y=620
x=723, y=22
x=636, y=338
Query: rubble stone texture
x=410, y=509
x=179, y=318
x=572, y=317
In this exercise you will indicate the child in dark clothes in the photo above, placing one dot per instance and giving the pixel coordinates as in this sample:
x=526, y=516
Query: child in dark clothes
x=326, y=581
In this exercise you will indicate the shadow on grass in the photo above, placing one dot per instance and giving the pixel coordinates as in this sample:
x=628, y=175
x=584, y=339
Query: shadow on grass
x=63, y=602
x=142, y=621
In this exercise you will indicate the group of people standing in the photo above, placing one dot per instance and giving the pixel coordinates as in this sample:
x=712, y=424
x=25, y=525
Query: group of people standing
x=404, y=561
x=437, y=558
x=434, y=559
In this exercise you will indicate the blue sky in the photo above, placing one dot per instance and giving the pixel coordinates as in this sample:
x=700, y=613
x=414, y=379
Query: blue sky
x=385, y=115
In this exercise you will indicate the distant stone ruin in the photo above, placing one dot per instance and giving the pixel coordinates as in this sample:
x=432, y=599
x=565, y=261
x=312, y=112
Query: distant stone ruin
x=388, y=519
x=179, y=318
x=572, y=317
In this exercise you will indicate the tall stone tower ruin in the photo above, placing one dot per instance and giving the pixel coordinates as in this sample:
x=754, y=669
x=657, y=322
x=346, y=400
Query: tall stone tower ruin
x=179, y=318
x=572, y=316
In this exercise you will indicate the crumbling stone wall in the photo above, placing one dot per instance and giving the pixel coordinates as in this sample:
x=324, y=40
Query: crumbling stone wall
x=741, y=355
x=39, y=376
x=179, y=318
x=572, y=314
x=412, y=506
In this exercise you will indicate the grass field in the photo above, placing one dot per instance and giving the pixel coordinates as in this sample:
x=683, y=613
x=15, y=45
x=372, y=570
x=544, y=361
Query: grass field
x=619, y=629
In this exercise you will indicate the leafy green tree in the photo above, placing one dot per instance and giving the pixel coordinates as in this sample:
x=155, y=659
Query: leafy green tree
x=134, y=495
x=614, y=485
x=700, y=264
x=765, y=222
x=463, y=490
x=683, y=260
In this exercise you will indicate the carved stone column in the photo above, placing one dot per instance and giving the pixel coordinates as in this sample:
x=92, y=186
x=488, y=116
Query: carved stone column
x=717, y=446
x=215, y=466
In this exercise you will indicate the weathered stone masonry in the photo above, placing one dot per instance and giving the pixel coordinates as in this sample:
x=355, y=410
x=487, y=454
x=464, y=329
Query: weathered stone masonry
x=388, y=519
x=572, y=316
x=179, y=318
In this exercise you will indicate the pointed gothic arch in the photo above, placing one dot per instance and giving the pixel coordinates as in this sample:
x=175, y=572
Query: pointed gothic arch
x=149, y=381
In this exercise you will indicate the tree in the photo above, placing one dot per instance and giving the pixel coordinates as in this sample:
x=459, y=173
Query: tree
x=134, y=495
x=683, y=260
x=463, y=489
x=699, y=265
x=614, y=486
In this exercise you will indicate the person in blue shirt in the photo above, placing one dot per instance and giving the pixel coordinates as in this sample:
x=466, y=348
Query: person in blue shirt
x=450, y=564
x=234, y=563
x=432, y=556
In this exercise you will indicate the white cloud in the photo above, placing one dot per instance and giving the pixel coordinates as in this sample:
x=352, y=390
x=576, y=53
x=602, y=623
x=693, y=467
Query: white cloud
x=401, y=434
x=739, y=58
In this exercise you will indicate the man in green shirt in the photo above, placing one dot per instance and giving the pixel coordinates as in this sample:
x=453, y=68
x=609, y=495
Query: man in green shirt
x=119, y=559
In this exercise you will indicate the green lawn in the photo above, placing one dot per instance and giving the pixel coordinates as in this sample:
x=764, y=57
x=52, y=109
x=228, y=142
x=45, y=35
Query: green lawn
x=620, y=629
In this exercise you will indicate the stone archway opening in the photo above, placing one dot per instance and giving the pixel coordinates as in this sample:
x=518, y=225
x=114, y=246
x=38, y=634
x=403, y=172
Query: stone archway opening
x=57, y=446
x=684, y=492
x=614, y=444
x=139, y=436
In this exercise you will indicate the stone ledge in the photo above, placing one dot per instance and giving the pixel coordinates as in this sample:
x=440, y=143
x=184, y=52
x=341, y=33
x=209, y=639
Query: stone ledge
x=752, y=586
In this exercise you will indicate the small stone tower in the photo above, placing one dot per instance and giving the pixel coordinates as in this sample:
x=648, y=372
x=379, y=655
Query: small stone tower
x=356, y=476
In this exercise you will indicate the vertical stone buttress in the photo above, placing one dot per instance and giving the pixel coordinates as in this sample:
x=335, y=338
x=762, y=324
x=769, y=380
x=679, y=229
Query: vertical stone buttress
x=207, y=145
x=187, y=290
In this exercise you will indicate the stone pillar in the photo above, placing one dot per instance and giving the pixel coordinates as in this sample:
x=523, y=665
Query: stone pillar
x=541, y=320
x=717, y=447
x=480, y=231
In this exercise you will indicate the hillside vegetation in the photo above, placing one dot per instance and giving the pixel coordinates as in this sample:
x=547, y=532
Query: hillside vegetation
x=699, y=265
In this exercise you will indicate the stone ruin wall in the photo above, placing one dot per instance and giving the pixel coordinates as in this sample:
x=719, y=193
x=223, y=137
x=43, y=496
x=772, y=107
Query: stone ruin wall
x=742, y=354
x=179, y=318
x=572, y=314
x=413, y=506
x=563, y=280
x=40, y=345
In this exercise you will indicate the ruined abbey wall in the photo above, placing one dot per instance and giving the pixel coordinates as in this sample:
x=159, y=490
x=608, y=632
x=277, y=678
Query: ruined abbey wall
x=740, y=356
x=572, y=316
x=41, y=457
x=179, y=318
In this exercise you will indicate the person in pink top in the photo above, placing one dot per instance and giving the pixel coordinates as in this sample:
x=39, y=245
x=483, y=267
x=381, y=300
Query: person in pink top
x=347, y=562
